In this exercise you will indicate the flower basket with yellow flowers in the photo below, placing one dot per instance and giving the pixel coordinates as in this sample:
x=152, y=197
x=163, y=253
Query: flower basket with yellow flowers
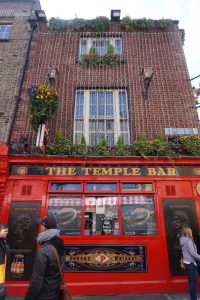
x=43, y=104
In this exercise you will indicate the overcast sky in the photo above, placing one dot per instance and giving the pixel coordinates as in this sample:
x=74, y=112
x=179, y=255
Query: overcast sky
x=186, y=11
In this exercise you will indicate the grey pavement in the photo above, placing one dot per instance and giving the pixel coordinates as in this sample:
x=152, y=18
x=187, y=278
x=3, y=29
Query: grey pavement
x=182, y=296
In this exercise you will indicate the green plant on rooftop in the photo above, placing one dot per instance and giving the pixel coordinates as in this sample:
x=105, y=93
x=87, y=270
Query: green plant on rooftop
x=80, y=149
x=129, y=24
x=143, y=147
x=100, y=24
x=60, y=146
x=191, y=144
x=121, y=149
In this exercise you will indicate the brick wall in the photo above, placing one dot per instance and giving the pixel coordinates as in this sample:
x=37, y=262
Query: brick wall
x=170, y=102
x=12, y=58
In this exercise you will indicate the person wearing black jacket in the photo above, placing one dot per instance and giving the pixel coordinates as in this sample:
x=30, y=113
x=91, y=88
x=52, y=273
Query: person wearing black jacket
x=3, y=259
x=45, y=280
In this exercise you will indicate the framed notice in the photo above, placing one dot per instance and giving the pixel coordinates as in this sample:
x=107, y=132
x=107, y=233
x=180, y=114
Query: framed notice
x=22, y=235
x=179, y=213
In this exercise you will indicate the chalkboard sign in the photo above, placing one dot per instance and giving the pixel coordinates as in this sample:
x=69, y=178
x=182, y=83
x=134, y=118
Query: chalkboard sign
x=107, y=225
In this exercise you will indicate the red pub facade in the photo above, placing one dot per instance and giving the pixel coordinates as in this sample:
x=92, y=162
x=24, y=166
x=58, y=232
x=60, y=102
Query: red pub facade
x=120, y=217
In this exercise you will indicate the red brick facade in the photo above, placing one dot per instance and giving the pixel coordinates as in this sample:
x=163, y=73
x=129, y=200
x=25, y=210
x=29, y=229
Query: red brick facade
x=170, y=102
x=12, y=58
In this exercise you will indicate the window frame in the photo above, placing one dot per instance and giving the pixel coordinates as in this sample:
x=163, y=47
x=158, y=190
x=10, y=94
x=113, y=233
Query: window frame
x=84, y=115
x=3, y=38
x=90, y=40
x=119, y=193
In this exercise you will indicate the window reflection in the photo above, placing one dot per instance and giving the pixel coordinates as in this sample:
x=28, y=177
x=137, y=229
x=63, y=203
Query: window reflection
x=65, y=187
x=101, y=216
x=137, y=186
x=101, y=186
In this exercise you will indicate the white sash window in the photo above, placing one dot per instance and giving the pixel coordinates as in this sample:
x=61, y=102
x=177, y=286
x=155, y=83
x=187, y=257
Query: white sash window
x=101, y=115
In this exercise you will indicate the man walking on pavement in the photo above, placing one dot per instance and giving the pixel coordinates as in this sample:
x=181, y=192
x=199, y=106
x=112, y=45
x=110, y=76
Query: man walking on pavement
x=45, y=280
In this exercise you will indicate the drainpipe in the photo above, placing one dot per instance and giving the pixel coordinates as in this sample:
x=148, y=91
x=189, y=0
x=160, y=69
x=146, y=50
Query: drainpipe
x=33, y=24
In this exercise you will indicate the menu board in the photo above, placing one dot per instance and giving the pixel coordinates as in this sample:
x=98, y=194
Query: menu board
x=106, y=225
x=67, y=212
x=22, y=235
x=179, y=213
x=138, y=215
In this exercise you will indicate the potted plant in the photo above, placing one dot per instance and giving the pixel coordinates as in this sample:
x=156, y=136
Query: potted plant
x=43, y=104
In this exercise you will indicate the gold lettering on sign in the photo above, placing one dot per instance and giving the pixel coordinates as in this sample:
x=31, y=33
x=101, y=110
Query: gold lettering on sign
x=107, y=171
x=86, y=171
x=126, y=172
x=171, y=172
x=117, y=171
x=51, y=170
x=72, y=171
x=96, y=171
x=61, y=171
x=161, y=172
x=151, y=171
x=136, y=171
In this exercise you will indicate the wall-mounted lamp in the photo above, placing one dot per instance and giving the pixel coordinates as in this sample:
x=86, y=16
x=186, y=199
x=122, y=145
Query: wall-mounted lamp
x=147, y=73
x=52, y=73
x=40, y=15
x=115, y=15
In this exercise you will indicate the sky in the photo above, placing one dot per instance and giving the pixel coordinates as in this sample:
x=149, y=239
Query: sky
x=185, y=11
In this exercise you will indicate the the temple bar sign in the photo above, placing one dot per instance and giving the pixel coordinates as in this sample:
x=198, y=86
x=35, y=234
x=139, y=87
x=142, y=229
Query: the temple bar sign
x=69, y=170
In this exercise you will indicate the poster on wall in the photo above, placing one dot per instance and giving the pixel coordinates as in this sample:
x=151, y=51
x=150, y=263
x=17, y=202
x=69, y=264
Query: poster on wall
x=138, y=215
x=23, y=231
x=178, y=214
x=100, y=258
x=67, y=212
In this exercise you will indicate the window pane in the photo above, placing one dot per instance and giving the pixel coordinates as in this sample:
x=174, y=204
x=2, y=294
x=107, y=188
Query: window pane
x=126, y=138
x=101, y=187
x=79, y=104
x=110, y=125
x=137, y=186
x=65, y=187
x=83, y=48
x=101, y=216
x=67, y=212
x=5, y=31
x=77, y=138
x=122, y=105
x=123, y=125
x=79, y=125
x=109, y=104
x=93, y=104
x=101, y=104
x=138, y=215
x=118, y=46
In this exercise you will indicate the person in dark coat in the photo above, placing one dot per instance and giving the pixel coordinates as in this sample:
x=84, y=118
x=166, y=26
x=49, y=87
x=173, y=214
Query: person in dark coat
x=45, y=280
x=3, y=259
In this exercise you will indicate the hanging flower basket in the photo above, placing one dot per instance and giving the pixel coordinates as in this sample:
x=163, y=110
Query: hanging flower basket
x=43, y=104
